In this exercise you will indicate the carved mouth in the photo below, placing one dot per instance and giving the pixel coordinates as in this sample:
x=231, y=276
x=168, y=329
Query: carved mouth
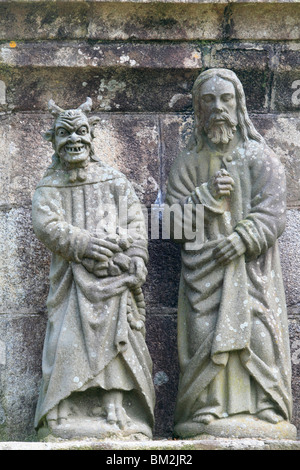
x=74, y=148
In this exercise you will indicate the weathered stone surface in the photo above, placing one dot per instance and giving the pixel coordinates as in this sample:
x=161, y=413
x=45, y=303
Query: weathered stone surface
x=98, y=20
x=286, y=57
x=24, y=156
x=157, y=21
x=61, y=54
x=141, y=20
x=130, y=143
x=175, y=130
x=20, y=372
x=282, y=135
x=285, y=64
x=295, y=360
x=289, y=244
x=24, y=264
x=161, y=287
x=117, y=77
x=162, y=342
x=171, y=446
x=265, y=21
x=286, y=92
x=113, y=89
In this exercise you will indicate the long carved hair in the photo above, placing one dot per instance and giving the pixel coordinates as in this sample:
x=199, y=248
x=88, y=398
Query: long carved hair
x=245, y=125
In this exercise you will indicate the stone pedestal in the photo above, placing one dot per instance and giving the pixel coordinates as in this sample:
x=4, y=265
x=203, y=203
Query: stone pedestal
x=244, y=427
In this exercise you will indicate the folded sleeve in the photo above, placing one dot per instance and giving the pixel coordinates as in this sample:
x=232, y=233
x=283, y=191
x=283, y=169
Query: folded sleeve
x=53, y=230
x=265, y=221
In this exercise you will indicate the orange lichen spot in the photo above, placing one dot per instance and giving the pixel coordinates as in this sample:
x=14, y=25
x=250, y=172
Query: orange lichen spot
x=12, y=44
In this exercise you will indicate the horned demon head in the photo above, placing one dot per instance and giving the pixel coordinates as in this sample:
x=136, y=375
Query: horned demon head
x=71, y=134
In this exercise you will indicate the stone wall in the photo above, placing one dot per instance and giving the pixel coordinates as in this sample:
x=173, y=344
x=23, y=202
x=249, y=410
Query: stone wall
x=137, y=60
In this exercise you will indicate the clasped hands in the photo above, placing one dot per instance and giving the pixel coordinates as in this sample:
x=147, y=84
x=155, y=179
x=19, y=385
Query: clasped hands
x=108, y=259
x=231, y=247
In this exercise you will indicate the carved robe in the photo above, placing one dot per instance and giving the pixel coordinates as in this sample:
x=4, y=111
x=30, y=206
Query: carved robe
x=91, y=339
x=232, y=323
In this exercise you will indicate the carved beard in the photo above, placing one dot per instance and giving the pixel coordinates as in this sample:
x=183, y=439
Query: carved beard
x=220, y=131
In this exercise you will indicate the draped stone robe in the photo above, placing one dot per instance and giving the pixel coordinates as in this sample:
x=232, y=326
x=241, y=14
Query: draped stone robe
x=232, y=322
x=89, y=340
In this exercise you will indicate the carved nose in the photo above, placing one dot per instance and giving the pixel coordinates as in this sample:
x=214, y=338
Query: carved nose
x=218, y=107
x=74, y=137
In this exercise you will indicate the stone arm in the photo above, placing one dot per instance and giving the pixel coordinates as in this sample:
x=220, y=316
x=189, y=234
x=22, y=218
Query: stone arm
x=131, y=255
x=135, y=249
x=78, y=245
x=183, y=193
x=53, y=230
x=266, y=219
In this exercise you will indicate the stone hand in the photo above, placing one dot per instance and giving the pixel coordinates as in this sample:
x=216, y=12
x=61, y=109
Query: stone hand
x=228, y=249
x=118, y=264
x=221, y=184
x=139, y=270
x=100, y=249
x=123, y=261
x=99, y=268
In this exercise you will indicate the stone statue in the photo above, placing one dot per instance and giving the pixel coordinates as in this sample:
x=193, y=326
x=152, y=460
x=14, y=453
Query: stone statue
x=232, y=323
x=97, y=372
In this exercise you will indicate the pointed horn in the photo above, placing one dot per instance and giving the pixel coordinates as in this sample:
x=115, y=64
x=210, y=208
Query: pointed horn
x=87, y=106
x=54, y=109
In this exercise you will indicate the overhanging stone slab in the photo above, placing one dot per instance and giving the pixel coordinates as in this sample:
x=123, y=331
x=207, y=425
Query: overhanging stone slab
x=110, y=20
x=149, y=20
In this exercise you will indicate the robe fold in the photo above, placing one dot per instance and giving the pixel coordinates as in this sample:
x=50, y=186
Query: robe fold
x=90, y=339
x=233, y=336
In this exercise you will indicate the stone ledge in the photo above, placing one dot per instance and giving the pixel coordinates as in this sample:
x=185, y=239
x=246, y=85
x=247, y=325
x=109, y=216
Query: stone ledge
x=165, y=1
x=116, y=54
x=144, y=54
x=165, y=445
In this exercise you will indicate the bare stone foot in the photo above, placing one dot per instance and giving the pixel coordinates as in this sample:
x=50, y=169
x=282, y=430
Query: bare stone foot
x=204, y=418
x=58, y=415
x=52, y=418
x=270, y=415
x=113, y=409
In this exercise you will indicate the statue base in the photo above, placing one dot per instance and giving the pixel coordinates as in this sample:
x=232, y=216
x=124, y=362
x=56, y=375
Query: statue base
x=98, y=428
x=242, y=426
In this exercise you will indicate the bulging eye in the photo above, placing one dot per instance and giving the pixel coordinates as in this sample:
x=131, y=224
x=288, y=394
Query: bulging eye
x=61, y=132
x=82, y=130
